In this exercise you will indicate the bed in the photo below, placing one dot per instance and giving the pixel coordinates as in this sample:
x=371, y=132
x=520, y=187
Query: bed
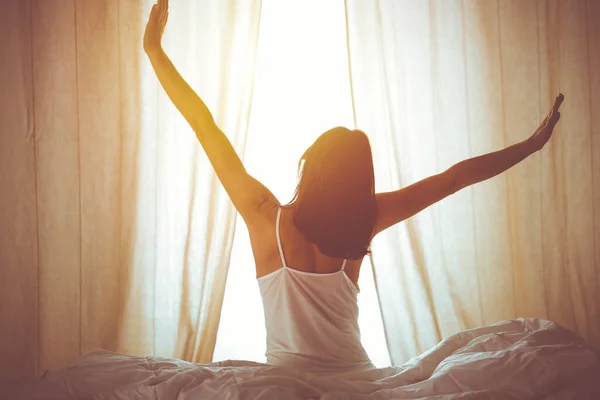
x=516, y=359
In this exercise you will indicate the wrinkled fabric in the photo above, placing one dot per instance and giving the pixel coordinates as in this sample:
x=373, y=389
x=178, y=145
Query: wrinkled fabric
x=517, y=359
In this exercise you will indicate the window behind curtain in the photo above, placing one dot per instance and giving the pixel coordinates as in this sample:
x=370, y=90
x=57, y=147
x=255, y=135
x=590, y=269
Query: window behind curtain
x=302, y=88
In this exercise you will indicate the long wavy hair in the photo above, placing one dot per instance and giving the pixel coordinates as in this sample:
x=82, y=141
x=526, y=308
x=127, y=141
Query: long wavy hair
x=334, y=200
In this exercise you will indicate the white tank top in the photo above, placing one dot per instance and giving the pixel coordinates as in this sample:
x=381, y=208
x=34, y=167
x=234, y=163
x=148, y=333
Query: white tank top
x=312, y=319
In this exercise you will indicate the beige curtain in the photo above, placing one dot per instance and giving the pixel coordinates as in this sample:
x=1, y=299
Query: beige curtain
x=435, y=82
x=114, y=232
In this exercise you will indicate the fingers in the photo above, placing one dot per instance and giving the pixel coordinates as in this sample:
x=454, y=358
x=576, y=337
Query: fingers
x=160, y=12
x=153, y=15
x=554, y=110
x=159, y=7
x=554, y=115
x=558, y=102
x=164, y=9
x=545, y=121
x=163, y=19
x=554, y=120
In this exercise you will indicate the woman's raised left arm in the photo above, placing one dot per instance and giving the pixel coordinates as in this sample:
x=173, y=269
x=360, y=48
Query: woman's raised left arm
x=246, y=193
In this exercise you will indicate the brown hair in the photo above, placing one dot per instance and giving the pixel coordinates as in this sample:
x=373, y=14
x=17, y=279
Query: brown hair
x=334, y=201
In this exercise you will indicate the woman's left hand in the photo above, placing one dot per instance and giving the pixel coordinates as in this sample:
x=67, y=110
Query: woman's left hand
x=543, y=133
x=156, y=26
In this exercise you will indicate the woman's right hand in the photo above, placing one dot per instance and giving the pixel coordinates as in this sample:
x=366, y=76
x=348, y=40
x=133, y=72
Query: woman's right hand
x=156, y=26
x=543, y=133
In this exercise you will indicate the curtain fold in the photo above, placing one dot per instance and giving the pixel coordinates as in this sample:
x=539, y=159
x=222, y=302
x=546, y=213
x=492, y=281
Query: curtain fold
x=18, y=220
x=183, y=238
x=115, y=231
x=435, y=82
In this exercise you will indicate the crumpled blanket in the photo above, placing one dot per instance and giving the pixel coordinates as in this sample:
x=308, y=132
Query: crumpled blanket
x=517, y=359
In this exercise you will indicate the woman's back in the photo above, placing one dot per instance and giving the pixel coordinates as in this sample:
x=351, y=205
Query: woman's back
x=300, y=254
x=311, y=314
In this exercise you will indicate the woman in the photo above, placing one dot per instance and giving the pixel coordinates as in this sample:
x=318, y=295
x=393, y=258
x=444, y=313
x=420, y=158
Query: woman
x=308, y=253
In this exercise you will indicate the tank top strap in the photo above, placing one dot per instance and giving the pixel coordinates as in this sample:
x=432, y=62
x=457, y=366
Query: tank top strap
x=279, y=238
x=344, y=264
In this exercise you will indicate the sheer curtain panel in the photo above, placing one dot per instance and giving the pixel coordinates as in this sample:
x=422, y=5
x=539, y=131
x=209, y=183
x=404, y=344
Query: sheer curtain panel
x=114, y=231
x=435, y=82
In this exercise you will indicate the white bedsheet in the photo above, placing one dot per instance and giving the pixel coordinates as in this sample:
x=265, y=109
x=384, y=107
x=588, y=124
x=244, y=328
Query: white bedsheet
x=518, y=359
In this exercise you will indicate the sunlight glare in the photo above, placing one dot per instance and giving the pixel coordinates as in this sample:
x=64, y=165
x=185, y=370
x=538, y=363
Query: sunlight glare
x=302, y=88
